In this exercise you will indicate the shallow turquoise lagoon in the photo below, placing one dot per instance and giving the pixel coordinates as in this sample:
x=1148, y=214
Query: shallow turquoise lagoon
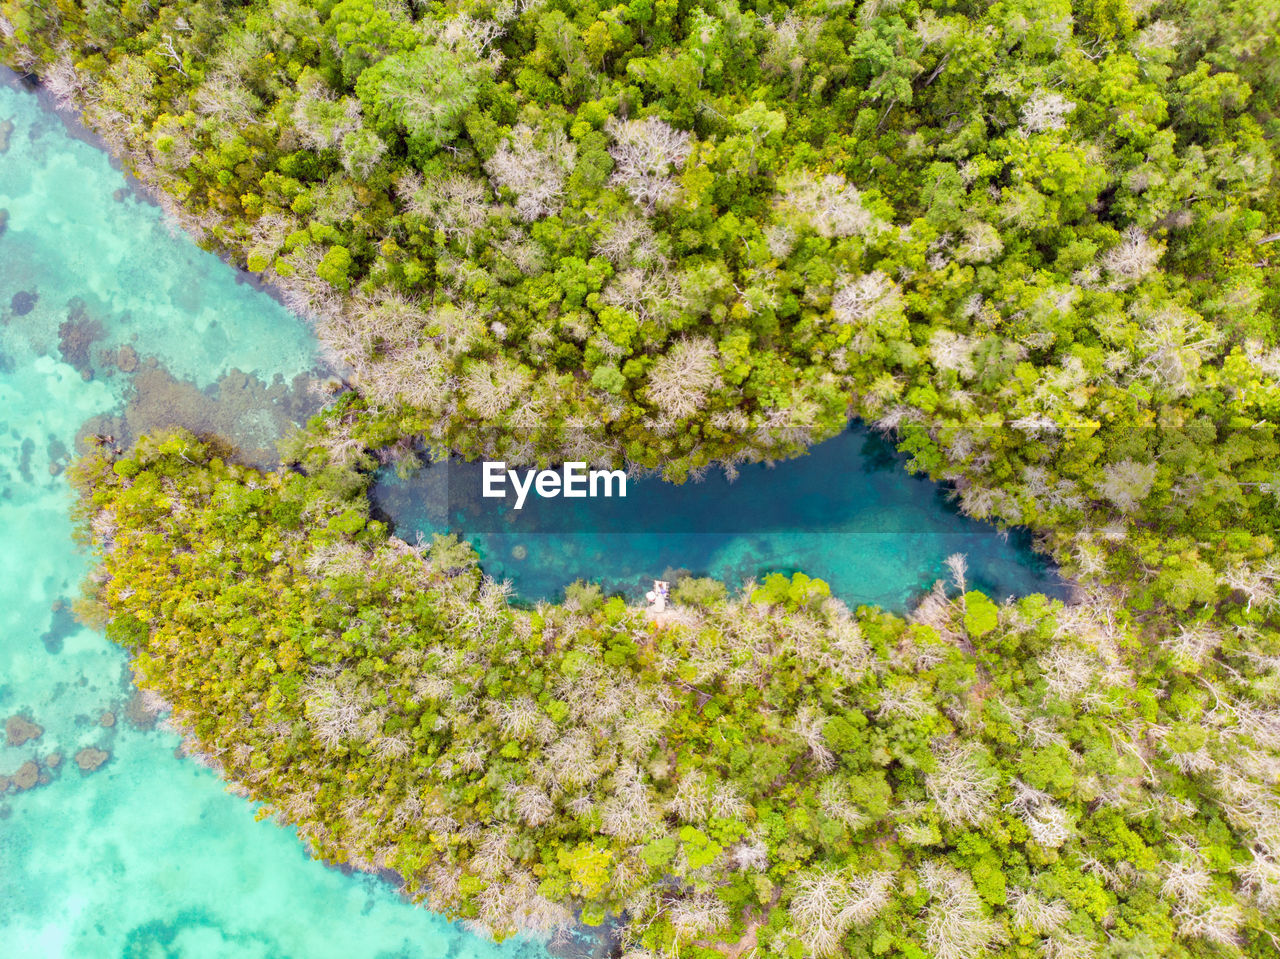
x=846, y=512
x=148, y=857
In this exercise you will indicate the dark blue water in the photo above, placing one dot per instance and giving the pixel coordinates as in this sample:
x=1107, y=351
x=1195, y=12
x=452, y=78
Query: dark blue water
x=848, y=513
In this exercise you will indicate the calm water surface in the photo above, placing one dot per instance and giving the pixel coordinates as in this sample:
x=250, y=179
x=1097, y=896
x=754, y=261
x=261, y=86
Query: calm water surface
x=846, y=512
x=147, y=858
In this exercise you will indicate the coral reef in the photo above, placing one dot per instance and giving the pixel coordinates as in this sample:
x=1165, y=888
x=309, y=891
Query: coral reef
x=240, y=408
x=90, y=758
x=137, y=714
x=23, y=302
x=27, y=776
x=126, y=359
x=76, y=337
x=19, y=730
x=61, y=625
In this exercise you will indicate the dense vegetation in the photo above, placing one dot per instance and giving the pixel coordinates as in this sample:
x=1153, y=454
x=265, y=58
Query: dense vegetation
x=678, y=231
x=1035, y=239
x=769, y=771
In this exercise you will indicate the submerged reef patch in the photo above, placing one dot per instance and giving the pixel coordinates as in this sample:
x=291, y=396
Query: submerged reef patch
x=6, y=130
x=151, y=939
x=240, y=408
x=19, y=730
x=77, y=335
x=27, y=776
x=58, y=455
x=137, y=714
x=27, y=449
x=62, y=624
x=173, y=935
x=91, y=758
x=23, y=302
x=126, y=359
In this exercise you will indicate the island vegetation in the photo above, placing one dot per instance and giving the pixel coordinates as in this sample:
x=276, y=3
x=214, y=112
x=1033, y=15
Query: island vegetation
x=767, y=772
x=1034, y=240
x=677, y=233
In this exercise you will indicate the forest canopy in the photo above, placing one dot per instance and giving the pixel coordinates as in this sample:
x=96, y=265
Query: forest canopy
x=767, y=770
x=677, y=233
x=1035, y=241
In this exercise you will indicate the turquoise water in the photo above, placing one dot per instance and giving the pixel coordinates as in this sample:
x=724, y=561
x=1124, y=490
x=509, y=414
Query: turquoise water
x=148, y=857
x=847, y=512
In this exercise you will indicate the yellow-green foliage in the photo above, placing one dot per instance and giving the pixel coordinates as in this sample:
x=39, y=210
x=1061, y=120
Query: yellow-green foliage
x=836, y=782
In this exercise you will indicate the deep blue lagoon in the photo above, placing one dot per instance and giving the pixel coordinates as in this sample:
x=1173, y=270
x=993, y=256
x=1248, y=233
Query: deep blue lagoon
x=846, y=512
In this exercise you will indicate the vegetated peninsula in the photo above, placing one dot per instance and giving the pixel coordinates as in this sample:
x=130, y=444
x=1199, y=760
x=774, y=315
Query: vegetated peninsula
x=1035, y=240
